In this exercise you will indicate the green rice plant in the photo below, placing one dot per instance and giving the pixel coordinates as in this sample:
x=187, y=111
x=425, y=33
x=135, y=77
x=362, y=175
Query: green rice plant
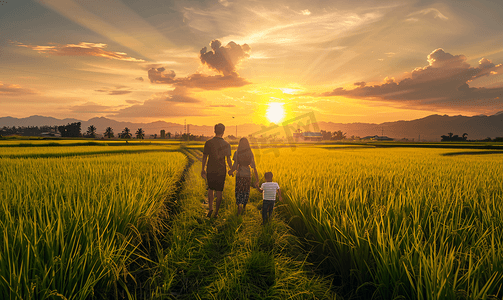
x=48, y=151
x=70, y=227
x=56, y=142
x=397, y=222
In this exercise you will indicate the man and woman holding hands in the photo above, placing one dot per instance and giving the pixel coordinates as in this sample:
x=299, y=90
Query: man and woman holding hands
x=216, y=154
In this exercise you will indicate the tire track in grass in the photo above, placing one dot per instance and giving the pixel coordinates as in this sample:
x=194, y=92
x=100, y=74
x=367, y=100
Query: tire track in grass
x=231, y=257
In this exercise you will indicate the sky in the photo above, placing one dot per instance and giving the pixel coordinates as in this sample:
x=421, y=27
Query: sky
x=237, y=62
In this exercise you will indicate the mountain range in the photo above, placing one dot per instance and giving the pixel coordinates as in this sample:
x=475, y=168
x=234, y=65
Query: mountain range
x=429, y=128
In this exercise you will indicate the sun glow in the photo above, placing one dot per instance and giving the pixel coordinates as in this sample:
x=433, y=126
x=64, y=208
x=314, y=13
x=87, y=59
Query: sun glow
x=275, y=112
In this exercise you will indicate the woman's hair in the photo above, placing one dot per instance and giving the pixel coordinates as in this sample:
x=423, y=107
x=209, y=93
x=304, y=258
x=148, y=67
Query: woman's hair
x=245, y=155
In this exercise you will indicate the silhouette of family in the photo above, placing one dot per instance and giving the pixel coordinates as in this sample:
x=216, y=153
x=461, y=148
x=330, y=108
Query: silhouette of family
x=216, y=154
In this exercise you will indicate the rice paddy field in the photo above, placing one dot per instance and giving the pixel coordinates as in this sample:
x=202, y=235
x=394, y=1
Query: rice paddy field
x=98, y=220
x=72, y=226
x=398, y=222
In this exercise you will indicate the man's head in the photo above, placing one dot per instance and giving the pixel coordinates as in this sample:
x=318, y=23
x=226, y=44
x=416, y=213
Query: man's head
x=268, y=176
x=219, y=129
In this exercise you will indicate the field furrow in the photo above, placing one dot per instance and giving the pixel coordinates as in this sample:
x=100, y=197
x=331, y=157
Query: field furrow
x=231, y=257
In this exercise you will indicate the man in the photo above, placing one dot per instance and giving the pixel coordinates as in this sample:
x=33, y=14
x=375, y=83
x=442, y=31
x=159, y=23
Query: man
x=216, y=152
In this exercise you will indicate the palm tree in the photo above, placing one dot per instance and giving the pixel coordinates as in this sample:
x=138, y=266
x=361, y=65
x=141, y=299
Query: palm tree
x=450, y=134
x=140, y=134
x=91, y=131
x=109, y=132
x=126, y=133
x=465, y=135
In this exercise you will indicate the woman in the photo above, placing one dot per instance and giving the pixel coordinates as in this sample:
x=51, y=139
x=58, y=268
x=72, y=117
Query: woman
x=243, y=160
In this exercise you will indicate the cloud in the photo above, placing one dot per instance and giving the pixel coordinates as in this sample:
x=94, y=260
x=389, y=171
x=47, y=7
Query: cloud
x=82, y=49
x=271, y=25
x=133, y=102
x=14, y=90
x=115, y=91
x=444, y=82
x=91, y=108
x=156, y=108
x=178, y=95
x=161, y=106
x=174, y=103
x=223, y=105
x=221, y=59
x=224, y=59
x=157, y=75
x=428, y=11
x=200, y=81
x=225, y=3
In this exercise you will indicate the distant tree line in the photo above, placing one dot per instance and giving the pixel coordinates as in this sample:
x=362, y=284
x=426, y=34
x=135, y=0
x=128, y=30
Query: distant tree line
x=70, y=130
x=450, y=137
x=28, y=130
x=335, y=136
x=454, y=138
x=191, y=137
x=496, y=139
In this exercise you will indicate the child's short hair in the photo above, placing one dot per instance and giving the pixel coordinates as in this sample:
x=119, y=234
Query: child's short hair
x=268, y=175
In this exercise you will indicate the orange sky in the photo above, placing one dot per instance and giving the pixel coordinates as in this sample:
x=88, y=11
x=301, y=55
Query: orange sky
x=256, y=61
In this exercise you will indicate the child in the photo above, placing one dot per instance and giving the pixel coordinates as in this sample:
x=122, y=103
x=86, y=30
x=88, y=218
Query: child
x=268, y=190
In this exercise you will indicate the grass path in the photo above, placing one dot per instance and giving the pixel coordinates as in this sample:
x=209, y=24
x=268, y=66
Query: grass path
x=231, y=257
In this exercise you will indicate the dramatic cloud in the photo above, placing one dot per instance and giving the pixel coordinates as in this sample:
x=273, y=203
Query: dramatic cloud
x=224, y=59
x=119, y=90
x=14, y=90
x=443, y=83
x=82, y=49
x=157, y=75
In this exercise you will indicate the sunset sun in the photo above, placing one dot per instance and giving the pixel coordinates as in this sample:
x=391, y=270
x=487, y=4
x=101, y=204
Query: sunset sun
x=275, y=112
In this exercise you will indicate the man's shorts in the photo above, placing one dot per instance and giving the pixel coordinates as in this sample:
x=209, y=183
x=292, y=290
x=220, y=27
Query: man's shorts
x=216, y=181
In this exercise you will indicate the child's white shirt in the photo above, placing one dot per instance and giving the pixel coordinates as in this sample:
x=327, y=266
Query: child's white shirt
x=270, y=189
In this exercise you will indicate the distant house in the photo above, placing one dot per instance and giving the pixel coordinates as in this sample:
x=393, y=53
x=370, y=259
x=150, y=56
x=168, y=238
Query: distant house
x=307, y=136
x=377, y=138
x=312, y=136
